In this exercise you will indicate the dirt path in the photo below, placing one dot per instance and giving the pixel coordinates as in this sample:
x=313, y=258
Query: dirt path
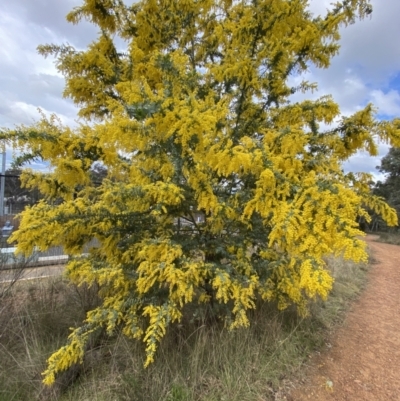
x=364, y=360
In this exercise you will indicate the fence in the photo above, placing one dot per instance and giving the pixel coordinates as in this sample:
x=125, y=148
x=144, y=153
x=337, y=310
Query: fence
x=53, y=256
x=14, y=202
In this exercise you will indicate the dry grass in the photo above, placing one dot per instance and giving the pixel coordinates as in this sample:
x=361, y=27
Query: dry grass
x=197, y=361
x=390, y=238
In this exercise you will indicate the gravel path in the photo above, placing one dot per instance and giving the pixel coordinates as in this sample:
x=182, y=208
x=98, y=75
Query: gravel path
x=363, y=363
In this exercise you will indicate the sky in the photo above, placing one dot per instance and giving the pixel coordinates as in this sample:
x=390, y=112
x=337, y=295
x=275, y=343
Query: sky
x=366, y=70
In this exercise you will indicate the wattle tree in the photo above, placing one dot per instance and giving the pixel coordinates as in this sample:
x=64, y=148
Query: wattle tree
x=216, y=188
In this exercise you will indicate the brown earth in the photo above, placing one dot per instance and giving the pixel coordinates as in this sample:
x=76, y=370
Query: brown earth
x=363, y=362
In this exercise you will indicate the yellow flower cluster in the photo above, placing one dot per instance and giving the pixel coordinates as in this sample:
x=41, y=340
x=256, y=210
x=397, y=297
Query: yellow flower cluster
x=218, y=189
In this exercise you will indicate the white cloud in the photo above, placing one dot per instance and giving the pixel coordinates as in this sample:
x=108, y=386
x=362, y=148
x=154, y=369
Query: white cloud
x=28, y=113
x=388, y=103
x=27, y=79
x=319, y=7
x=369, y=46
x=363, y=71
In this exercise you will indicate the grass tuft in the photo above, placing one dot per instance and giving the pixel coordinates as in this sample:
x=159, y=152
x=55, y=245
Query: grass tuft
x=197, y=360
x=389, y=238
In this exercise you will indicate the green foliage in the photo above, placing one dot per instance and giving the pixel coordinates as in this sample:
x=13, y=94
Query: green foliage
x=218, y=189
x=390, y=188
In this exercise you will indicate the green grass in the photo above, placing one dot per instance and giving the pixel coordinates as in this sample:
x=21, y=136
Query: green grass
x=197, y=361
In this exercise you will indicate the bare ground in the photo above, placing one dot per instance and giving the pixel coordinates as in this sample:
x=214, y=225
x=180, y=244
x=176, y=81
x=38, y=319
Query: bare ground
x=363, y=362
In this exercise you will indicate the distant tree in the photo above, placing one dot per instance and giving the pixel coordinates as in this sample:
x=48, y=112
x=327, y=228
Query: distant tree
x=390, y=188
x=13, y=188
x=193, y=122
x=98, y=173
x=17, y=196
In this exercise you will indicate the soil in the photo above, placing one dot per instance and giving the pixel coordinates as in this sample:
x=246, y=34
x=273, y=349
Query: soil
x=363, y=361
